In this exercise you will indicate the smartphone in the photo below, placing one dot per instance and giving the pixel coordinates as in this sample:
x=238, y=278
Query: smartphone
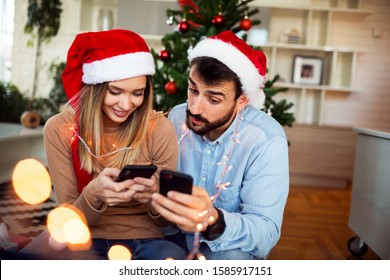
x=132, y=171
x=175, y=181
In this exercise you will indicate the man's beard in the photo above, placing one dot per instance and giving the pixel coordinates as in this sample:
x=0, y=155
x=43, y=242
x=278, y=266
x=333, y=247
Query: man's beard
x=207, y=125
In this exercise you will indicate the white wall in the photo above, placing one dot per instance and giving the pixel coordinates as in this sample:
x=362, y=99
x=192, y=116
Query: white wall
x=132, y=15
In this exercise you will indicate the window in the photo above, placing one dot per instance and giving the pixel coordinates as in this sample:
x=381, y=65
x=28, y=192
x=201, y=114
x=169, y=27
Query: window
x=6, y=38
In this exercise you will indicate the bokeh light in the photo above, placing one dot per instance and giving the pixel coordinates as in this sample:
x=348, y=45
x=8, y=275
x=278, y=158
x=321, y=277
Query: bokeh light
x=31, y=181
x=67, y=225
x=74, y=231
x=119, y=252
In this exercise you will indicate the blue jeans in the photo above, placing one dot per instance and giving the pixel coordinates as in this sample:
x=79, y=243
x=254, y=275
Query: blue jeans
x=234, y=254
x=141, y=249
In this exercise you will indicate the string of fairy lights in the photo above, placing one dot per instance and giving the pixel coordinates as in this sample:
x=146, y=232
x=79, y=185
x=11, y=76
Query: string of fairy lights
x=88, y=148
x=220, y=186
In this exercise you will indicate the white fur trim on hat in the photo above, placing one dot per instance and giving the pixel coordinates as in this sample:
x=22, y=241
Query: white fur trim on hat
x=118, y=68
x=251, y=80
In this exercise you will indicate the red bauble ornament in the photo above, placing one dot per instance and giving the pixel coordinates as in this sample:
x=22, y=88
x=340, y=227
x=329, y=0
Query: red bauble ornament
x=246, y=24
x=164, y=55
x=171, y=87
x=183, y=26
x=218, y=20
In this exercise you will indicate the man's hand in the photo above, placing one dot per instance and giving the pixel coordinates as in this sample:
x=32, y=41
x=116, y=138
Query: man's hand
x=186, y=211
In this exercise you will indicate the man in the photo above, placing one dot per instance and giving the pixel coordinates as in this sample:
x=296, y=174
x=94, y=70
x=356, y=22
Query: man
x=236, y=153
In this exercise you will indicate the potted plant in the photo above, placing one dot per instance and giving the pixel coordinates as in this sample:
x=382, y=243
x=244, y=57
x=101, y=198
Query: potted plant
x=12, y=103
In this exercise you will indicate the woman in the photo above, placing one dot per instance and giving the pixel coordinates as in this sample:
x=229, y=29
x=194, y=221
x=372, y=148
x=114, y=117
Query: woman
x=109, y=123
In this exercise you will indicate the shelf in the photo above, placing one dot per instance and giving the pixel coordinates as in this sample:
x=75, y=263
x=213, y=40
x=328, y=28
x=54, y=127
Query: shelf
x=152, y=37
x=310, y=8
x=347, y=10
x=310, y=48
x=319, y=5
x=314, y=87
x=307, y=28
x=97, y=15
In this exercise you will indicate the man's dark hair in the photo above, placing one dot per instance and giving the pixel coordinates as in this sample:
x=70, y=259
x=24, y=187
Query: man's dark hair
x=214, y=72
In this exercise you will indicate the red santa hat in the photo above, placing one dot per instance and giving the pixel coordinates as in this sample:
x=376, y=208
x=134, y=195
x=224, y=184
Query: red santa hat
x=250, y=65
x=97, y=57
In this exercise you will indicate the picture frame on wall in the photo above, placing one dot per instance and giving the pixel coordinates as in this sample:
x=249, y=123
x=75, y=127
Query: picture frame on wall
x=307, y=70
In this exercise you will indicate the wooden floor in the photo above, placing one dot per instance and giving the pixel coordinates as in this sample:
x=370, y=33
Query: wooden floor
x=315, y=226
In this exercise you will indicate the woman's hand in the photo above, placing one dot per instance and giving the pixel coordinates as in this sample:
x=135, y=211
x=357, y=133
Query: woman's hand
x=104, y=189
x=145, y=188
x=188, y=212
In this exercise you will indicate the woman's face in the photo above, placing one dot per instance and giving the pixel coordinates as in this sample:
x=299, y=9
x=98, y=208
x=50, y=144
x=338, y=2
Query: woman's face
x=123, y=97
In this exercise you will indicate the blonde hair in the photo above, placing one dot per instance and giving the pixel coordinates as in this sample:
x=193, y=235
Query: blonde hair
x=88, y=113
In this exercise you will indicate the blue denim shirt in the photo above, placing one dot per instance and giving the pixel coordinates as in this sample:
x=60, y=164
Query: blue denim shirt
x=253, y=203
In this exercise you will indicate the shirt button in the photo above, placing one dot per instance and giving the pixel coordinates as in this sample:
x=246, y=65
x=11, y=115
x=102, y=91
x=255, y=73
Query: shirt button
x=208, y=152
x=204, y=178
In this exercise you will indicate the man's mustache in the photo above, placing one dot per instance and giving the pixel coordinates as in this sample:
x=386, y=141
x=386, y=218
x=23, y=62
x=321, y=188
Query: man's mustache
x=198, y=117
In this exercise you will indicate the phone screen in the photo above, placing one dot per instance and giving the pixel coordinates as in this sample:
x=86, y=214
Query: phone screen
x=175, y=181
x=132, y=171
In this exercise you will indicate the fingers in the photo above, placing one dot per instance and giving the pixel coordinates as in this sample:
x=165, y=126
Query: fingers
x=127, y=195
x=143, y=197
x=199, y=199
x=111, y=172
x=170, y=210
x=113, y=198
x=183, y=209
x=145, y=188
x=106, y=190
x=145, y=181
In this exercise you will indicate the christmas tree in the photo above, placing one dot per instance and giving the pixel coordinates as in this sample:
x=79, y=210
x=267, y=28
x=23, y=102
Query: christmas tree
x=194, y=20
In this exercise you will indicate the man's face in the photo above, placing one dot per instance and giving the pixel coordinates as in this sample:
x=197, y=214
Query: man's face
x=211, y=108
